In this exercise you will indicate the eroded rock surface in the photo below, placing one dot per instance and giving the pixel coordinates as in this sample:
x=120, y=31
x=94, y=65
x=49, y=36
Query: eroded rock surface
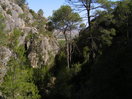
x=40, y=49
x=43, y=50
x=5, y=55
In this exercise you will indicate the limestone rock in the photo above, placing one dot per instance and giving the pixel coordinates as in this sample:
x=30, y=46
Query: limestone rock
x=41, y=49
x=33, y=59
x=5, y=55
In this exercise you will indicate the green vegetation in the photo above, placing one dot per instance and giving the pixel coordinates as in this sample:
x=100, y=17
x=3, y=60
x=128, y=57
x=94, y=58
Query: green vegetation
x=40, y=22
x=18, y=82
x=95, y=65
x=22, y=16
x=3, y=36
x=65, y=20
x=62, y=42
x=40, y=12
x=106, y=75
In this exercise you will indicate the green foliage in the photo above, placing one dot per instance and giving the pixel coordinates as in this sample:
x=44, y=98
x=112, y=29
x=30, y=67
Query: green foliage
x=107, y=36
x=41, y=77
x=31, y=36
x=14, y=39
x=109, y=40
x=62, y=87
x=22, y=16
x=62, y=43
x=31, y=11
x=123, y=16
x=25, y=17
x=49, y=26
x=75, y=69
x=3, y=35
x=40, y=12
x=82, y=26
x=18, y=82
x=40, y=21
x=35, y=15
x=86, y=52
x=109, y=75
x=60, y=61
x=100, y=36
x=65, y=18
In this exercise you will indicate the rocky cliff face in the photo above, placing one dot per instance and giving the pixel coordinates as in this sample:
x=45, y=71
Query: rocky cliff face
x=41, y=49
x=11, y=11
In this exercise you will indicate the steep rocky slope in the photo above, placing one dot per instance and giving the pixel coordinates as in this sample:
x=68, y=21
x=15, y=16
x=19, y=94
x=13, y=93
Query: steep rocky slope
x=41, y=47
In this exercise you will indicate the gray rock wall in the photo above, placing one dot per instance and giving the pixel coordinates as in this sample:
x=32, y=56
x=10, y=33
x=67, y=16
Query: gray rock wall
x=43, y=47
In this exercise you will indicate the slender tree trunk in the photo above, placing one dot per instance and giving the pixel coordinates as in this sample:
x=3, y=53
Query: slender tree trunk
x=88, y=16
x=68, y=55
x=70, y=49
x=67, y=48
x=91, y=36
